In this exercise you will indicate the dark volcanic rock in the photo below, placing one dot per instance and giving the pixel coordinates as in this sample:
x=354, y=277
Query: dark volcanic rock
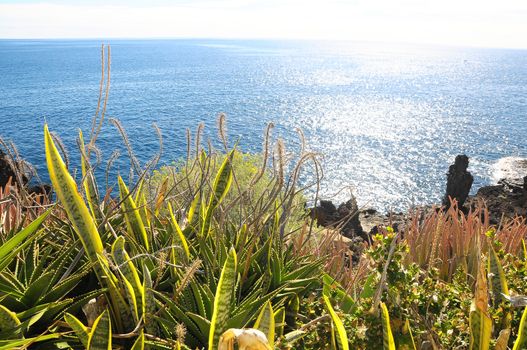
x=374, y=222
x=40, y=190
x=6, y=171
x=346, y=217
x=325, y=213
x=459, y=181
x=349, y=216
x=506, y=200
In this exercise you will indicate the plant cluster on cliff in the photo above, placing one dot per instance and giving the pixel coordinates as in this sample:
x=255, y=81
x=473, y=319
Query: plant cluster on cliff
x=219, y=250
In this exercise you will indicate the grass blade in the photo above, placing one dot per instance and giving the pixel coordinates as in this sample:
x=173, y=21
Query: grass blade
x=139, y=343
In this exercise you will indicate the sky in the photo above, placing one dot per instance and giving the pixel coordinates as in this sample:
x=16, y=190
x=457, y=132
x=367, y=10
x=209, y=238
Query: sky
x=481, y=23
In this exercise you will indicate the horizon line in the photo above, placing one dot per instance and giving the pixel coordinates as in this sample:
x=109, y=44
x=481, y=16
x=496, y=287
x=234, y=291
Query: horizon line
x=402, y=42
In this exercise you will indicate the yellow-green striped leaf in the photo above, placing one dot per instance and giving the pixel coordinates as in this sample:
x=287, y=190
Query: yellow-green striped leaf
x=497, y=277
x=139, y=343
x=222, y=182
x=88, y=182
x=405, y=341
x=121, y=312
x=130, y=275
x=222, y=299
x=279, y=321
x=479, y=320
x=521, y=341
x=503, y=339
x=180, y=235
x=221, y=186
x=266, y=322
x=192, y=208
x=81, y=331
x=149, y=302
x=341, y=336
x=9, y=321
x=388, y=342
x=140, y=201
x=134, y=223
x=67, y=193
x=100, y=337
x=480, y=329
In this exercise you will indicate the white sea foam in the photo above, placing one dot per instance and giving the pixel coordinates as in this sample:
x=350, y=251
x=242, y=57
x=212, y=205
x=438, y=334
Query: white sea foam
x=509, y=168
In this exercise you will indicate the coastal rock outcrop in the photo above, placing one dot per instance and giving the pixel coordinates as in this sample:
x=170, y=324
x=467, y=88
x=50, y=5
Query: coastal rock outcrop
x=325, y=213
x=505, y=200
x=345, y=217
x=8, y=176
x=459, y=182
x=374, y=222
x=508, y=197
x=7, y=172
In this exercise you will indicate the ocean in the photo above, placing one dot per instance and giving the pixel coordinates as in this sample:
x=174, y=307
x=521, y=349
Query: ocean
x=387, y=120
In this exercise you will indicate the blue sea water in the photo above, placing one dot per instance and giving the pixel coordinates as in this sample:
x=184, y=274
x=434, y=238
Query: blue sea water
x=387, y=119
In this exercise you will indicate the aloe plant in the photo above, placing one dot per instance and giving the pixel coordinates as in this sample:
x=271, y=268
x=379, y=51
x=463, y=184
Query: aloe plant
x=20, y=240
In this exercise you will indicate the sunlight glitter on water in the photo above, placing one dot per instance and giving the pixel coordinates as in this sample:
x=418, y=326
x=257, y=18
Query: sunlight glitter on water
x=387, y=119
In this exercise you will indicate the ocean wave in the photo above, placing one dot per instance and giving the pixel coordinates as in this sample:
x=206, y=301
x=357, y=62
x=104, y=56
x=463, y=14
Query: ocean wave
x=509, y=168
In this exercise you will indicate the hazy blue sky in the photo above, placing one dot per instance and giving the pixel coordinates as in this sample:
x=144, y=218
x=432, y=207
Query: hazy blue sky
x=496, y=23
